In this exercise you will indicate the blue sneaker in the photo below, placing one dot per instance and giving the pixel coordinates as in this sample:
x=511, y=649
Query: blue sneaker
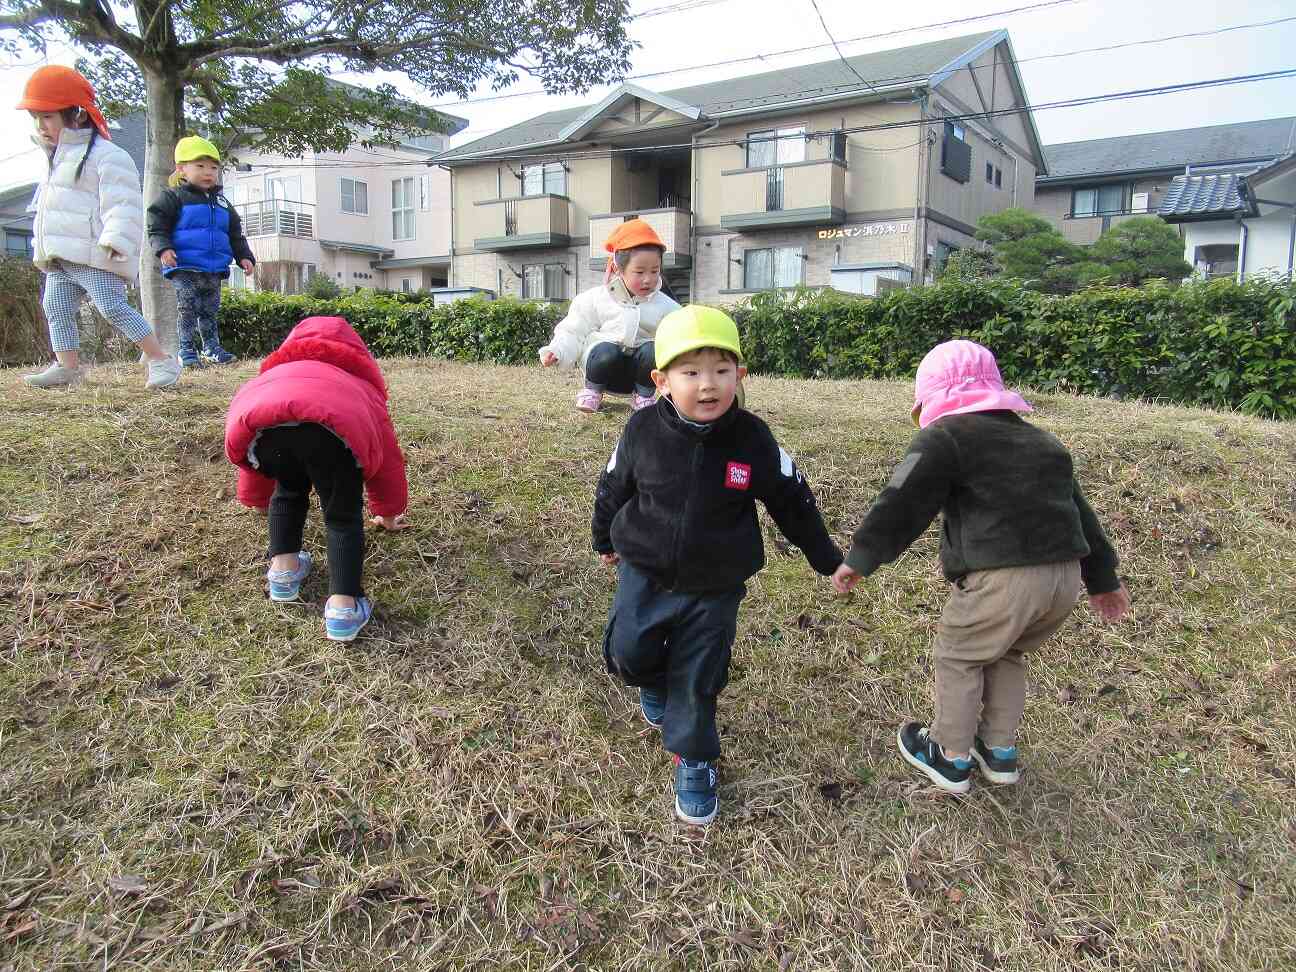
x=285, y=585
x=924, y=754
x=217, y=355
x=189, y=358
x=696, y=801
x=653, y=706
x=343, y=624
x=998, y=764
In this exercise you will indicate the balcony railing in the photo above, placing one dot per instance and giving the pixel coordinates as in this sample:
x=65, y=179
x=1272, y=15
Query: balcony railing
x=671, y=224
x=793, y=194
x=523, y=223
x=278, y=217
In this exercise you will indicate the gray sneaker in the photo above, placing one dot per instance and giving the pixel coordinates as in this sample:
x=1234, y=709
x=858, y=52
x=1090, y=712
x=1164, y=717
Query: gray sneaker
x=55, y=376
x=163, y=373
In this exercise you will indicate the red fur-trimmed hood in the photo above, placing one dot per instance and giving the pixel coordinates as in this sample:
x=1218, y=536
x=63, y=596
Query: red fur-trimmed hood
x=330, y=340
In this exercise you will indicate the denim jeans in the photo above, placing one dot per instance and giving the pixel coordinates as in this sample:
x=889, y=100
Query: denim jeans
x=299, y=457
x=621, y=370
x=198, y=297
x=678, y=644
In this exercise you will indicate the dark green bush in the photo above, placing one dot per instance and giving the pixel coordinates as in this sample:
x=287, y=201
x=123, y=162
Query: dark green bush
x=1208, y=343
x=503, y=331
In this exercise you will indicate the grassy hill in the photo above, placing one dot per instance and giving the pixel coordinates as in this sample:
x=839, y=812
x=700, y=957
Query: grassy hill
x=193, y=778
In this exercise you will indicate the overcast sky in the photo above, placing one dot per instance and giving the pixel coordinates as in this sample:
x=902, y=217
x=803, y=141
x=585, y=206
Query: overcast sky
x=705, y=31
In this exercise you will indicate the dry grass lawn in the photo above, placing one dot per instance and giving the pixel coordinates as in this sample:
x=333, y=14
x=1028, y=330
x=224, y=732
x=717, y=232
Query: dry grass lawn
x=193, y=778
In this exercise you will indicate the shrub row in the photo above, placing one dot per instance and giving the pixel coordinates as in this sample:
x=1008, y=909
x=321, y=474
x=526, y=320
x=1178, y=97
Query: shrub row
x=1208, y=343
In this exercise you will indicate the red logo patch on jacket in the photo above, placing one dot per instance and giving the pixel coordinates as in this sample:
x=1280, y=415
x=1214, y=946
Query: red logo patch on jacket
x=737, y=475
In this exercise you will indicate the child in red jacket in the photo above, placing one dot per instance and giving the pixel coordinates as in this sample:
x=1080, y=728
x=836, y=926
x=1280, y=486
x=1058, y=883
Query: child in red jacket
x=317, y=417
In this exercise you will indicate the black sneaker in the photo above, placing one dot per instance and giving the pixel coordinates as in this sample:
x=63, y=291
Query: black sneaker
x=998, y=763
x=696, y=799
x=923, y=753
x=653, y=706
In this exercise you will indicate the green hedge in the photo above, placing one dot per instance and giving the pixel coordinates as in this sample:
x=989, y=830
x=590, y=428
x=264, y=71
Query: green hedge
x=1209, y=343
x=502, y=331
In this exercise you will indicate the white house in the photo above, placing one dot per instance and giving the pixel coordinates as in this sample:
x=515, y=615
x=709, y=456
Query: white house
x=1237, y=224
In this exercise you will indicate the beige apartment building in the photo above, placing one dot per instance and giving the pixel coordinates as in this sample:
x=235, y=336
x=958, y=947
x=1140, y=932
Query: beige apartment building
x=374, y=218
x=857, y=175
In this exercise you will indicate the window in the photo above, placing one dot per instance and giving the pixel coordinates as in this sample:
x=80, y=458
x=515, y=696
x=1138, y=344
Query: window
x=1098, y=200
x=956, y=153
x=18, y=244
x=543, y=281
x=778, y=266
x=355, y=197
x=998, y=178
x=776, y=146
x=403, y=208
x=407, y=285
x=990, y=173
x=425, y=193
x=429, y=143
x=538, y=180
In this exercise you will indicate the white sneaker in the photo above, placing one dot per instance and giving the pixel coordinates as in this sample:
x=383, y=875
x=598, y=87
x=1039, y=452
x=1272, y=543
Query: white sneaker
x=163, y=373
x=55, y=376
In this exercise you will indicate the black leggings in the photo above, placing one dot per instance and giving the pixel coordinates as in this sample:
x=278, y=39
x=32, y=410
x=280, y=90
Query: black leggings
x=621, y=370
x=298, y=457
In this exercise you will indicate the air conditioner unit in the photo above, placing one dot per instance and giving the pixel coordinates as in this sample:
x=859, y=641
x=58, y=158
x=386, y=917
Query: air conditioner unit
x=1139, y=202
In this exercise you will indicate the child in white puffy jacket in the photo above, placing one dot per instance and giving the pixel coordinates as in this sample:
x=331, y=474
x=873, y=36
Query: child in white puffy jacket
x=89, y=225
x=609, y=329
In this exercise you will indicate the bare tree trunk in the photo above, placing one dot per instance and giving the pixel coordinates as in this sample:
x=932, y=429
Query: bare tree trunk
x=165, y=126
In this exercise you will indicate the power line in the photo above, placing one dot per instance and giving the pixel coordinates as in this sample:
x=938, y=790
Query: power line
x=850, y=67
x=790, y=50
x=682, y=7
x=1076, y=102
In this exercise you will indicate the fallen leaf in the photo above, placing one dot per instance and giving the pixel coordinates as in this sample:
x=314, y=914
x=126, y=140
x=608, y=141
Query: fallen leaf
x=128, y=884
x=954, y=895
x=20, y=930
x=832, y=792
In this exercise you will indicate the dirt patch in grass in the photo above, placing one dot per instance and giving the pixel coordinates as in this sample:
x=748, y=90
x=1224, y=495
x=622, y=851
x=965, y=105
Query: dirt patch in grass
x=193, y=778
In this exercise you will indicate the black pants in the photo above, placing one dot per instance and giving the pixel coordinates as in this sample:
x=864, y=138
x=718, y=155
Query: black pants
x=299, y=457
x=621, y=370
x=678, y=644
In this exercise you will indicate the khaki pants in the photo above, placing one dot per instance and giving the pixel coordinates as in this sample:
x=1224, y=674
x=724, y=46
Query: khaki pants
x=992, y=618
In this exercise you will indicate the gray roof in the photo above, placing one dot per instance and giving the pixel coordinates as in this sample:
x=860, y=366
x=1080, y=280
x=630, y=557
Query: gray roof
x=1191, y=197
x=129, y=132
x=1214, y=144
x=901, y=67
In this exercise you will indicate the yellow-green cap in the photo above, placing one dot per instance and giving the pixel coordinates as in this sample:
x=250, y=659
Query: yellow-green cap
x=693, y=327
x=193, y=147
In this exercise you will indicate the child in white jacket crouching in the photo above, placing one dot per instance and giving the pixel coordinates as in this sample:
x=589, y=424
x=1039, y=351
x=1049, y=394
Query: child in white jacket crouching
x=609, y=329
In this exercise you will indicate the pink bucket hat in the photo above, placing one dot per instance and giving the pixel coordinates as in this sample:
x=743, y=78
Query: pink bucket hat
x=959, y=377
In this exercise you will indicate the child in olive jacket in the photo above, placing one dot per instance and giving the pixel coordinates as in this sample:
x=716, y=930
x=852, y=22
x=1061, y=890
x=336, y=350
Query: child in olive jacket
x=1017, y=542
x=676, y=510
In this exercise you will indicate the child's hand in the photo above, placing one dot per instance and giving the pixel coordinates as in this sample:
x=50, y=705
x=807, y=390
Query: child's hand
x=1112, y=605
x=393, y=523
x=168, y=258
x=610, y=559
x=247, y=265
x=843, y=579
x=548, y=358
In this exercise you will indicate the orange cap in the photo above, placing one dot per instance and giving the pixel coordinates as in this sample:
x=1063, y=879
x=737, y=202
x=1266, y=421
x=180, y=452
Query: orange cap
x=55, y=87
x=632, y=233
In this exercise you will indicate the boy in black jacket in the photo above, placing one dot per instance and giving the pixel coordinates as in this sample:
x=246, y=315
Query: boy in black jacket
x=676, y=510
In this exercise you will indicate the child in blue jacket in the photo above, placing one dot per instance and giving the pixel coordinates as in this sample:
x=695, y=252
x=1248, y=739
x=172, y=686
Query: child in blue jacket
x=196, y=234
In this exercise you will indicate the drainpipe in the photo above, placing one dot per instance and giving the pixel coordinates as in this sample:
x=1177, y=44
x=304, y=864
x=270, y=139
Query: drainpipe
x=450, y=277
x=1242, y=249
x=920, y=238
x=693, y=205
